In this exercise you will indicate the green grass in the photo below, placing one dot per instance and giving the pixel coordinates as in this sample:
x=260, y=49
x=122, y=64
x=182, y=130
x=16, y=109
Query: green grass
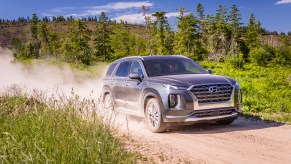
x=32, y=132
x=266, y=90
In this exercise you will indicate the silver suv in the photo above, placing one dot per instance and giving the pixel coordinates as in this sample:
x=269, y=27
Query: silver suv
x=170, y=91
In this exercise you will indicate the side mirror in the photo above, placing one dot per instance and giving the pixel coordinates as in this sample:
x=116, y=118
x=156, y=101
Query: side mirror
x=134, y=76
x=210, y=71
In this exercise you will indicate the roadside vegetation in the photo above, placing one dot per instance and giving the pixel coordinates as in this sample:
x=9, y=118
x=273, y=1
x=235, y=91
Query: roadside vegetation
x=266, y=90
x=59, y=131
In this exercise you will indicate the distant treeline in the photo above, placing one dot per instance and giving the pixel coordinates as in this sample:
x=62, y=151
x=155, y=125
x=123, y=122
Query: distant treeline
x=220, y=37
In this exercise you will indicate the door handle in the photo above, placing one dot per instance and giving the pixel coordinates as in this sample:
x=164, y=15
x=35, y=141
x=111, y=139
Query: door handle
x=127, y=84
x=111, y=83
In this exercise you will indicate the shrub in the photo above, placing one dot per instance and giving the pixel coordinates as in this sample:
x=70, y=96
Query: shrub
x=260, y=56
x=236, y=61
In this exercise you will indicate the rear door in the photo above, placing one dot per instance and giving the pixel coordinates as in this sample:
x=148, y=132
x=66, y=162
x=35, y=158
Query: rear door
x=118, y=83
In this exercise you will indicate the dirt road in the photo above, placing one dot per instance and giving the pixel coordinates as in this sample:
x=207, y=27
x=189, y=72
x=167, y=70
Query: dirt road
x=244, y=141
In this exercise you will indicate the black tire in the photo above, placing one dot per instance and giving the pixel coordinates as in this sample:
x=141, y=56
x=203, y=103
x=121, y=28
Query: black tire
x=225, y=122
x=108, y=102
x=154, y=117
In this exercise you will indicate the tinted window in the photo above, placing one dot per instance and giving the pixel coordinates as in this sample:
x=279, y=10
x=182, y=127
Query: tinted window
x=172, y=66
x=110, y=69
x=123, y=69
x=136, y=68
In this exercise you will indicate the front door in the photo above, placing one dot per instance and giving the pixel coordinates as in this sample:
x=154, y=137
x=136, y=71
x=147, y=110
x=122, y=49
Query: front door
x=133, y=87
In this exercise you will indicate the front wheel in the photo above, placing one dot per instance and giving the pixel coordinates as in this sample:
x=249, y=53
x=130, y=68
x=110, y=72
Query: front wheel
x=154, y=117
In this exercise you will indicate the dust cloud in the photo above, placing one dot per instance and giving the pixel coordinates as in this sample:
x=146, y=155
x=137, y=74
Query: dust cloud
x=47, y=77
x=56, y=80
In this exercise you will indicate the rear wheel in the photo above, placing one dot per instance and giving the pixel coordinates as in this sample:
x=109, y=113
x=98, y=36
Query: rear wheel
x=154, y=117
x=108, y=102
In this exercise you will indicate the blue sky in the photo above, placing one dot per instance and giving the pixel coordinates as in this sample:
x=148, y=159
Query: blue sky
x=273, y=14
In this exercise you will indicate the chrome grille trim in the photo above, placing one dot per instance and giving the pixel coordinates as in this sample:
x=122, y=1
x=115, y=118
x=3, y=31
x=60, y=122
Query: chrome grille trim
x=205, y=96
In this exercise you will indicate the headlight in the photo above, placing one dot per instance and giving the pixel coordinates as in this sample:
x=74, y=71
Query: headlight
x=174, y=87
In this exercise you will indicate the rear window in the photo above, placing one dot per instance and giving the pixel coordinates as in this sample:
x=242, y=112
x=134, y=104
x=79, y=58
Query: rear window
x=110, y=69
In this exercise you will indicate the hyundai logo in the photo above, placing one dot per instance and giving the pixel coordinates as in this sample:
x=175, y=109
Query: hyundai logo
x=214, y=89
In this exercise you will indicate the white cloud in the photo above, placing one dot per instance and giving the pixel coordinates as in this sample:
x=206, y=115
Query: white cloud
x=131, y=18
x=139, y=18
x=283, y=2
x=96, y=10
x=172, y=14
x=122, y=5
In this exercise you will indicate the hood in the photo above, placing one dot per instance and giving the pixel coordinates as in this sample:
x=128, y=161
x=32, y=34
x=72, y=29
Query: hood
x=188, y=80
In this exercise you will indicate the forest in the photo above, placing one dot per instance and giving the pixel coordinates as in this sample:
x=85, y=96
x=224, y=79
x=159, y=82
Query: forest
x=220, y=37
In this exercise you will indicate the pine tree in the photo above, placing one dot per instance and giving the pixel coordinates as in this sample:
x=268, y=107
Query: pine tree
x=34, y=32
x=54, y=43
x=101, y=43
x=43, y=34
x=201, y=24
x=234, y=26
x=78, y=43
x=186, y=34
x=103, y=17
x=120, y=42
x=218, y=34
x=160, y=28
x=253, y=33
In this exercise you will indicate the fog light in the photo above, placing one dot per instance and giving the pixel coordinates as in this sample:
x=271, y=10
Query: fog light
x=172, y=100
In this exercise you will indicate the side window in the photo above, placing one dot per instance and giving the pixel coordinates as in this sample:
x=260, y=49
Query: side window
x=136, y=68
x=123, y=69
x=110, y=69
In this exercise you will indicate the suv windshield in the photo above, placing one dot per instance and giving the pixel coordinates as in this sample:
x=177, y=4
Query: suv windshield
x=172, y=66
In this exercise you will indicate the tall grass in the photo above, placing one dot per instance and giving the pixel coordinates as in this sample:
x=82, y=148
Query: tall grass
x=39, y=129
x=266, y=90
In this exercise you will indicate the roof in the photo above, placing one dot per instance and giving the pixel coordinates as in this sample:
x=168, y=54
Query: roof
x=153, y=57
x=161, y=57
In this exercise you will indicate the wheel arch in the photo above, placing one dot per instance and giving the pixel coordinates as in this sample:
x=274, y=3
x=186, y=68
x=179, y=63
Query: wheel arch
x=151, y=93
x=105, y=90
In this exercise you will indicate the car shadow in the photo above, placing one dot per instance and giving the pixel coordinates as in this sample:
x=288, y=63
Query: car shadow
x=240, y=124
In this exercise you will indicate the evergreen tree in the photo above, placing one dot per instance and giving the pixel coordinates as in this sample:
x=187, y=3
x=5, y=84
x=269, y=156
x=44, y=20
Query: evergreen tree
x=253, y=33
x=101, y=41
x=78, y=43
x=186, y=34
x=120, y=42
x=18, y=48
x=201, y=24
x=234, y=26
x=218, y=34
x=103, y=17
x=148, y=23
x=34, y=32
x=43, y=34
x=54, y=43
x=160, y=28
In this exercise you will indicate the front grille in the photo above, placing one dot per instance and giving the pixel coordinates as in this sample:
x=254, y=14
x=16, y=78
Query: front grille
x=212, y=92
x=213, y=112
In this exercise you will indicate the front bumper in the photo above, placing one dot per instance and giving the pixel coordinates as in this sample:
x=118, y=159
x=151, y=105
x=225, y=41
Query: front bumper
x=194, y=111
x=205, y=116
